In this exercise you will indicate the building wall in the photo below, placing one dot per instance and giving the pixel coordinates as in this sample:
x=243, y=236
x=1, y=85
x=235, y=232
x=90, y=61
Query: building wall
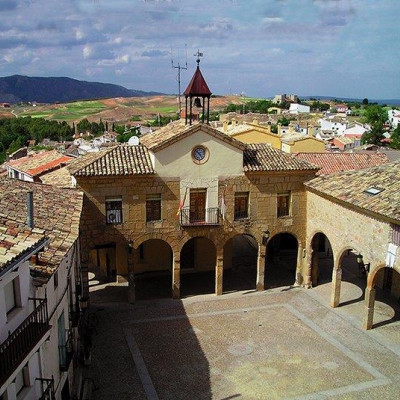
x=347, y=228
x=309, y=145
x=262, y=188
x=256, y=136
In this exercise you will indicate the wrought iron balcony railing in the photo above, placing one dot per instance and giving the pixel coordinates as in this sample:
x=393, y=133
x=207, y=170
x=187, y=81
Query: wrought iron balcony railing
x=196, y=217
x=66, y=352
x=20, y=342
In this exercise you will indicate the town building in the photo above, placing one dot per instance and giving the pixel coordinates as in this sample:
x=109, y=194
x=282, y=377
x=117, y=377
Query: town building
x=40, y=285
x=33, y=166
x=357, y=212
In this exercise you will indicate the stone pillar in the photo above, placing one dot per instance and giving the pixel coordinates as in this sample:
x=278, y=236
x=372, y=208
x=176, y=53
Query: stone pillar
x=219, y=273
x=176, y=276
x=336, y=284
x=301, y=254
x=369, y=308
x=131, y=277
x=262, y=250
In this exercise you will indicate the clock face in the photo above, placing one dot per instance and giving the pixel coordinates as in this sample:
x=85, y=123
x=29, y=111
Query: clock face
x=199, y=153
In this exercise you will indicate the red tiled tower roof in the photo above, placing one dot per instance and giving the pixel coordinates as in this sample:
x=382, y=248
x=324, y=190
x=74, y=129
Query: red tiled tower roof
x=197, y=86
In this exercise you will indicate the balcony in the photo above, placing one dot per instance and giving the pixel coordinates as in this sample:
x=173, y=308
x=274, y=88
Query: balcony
x=47, y=389
x=66, y=352
x=21, y=342
x=199, y=217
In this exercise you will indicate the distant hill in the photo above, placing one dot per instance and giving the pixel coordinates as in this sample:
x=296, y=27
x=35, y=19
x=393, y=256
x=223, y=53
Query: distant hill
x=19, y=88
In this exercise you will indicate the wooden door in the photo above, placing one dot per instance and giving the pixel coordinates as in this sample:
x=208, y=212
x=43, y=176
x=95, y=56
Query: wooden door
x=197, y=205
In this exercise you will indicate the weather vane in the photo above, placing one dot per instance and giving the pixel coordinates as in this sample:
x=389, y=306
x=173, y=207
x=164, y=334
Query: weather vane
x=198, y=55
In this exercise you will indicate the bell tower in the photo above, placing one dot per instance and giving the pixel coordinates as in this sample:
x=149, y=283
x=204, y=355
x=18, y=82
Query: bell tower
x=197, y=95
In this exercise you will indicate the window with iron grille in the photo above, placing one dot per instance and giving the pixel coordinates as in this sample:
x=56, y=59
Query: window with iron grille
x=395, y=234
x=241, y=205
x=114, y=211
x=153, y=207
x=283, y=204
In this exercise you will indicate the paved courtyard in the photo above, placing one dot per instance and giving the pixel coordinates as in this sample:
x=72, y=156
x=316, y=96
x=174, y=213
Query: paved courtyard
x=284, y=343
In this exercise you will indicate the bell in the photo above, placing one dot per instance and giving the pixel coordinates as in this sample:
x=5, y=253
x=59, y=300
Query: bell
x=197, y=102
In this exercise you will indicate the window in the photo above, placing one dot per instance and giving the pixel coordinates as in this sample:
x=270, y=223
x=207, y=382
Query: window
x=283, y=204
x=114, y=211
x=396, y=234
x=153, y=207
x=241, y=205
x=9, y=292
x=55, y=277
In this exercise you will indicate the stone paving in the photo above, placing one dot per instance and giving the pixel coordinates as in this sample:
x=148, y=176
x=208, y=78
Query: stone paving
x=284, y=343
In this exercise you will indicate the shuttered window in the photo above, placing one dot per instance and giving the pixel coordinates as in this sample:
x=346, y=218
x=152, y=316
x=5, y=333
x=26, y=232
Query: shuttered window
x=153, y=207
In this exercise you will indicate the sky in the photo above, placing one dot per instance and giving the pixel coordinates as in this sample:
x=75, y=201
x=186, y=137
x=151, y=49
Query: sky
x=257, y=48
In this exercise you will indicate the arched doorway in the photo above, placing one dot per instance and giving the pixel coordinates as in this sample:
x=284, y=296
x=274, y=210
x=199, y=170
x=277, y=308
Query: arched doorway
x=198, y=258
x=350, y=280
x=321, y=261
x=382, y=298
x=240, y=263
x=153, y=270
x=281, y=261
x=102, y=262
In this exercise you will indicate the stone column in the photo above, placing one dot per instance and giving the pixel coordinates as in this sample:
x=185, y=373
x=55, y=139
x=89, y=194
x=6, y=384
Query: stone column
x=131, y=277
x=336, y=284
x=219, y=273
x=369, y=308
x=176, y=276
x=262, y=250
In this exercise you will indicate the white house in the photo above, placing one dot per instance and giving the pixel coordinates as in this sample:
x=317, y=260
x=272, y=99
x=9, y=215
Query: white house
x=298, y=109
x=394, y=118
x=333, y=125
x=39, y=289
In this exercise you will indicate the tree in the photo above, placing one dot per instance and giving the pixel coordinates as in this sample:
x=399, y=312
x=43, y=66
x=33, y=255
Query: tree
x=365, y=101
x=395, y=138
x=373, y=136
x=375, y=114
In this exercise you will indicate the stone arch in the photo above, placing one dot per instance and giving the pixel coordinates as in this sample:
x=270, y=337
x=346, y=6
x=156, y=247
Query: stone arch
x=370, y=293
x=320, y=249
x=346, y=262
x=198, y=260
x=152, y=268
x=240, y=262
x=282, y=259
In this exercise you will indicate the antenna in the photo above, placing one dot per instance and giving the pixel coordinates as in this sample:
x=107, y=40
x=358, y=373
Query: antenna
x=178, y=78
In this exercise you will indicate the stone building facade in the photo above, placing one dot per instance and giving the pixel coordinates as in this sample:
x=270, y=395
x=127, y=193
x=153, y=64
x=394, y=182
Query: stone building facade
x=358, y=211
x=178, y=210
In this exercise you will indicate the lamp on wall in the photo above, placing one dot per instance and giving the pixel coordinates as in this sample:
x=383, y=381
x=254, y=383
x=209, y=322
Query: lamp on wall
x=363, y=267
x=265, y=237
x=83, y=302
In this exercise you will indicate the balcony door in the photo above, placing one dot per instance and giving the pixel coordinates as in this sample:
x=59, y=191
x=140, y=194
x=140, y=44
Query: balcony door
x=197, y=205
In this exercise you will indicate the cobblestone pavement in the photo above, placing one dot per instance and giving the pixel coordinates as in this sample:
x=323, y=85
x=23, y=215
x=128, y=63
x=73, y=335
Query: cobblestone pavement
x=285, y=343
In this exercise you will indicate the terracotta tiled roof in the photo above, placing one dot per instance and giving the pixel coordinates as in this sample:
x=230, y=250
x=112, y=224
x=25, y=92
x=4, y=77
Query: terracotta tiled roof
x=331, y=163
x=37, y=164
x=60, y=177
x=118, y=160
x=351, y=187
x=177, y=130
x=262, y=157
x=17, y=241
x=56, y=214
x=197, y=86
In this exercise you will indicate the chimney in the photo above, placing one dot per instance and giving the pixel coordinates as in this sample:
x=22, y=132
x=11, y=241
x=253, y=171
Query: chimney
x=29, y=201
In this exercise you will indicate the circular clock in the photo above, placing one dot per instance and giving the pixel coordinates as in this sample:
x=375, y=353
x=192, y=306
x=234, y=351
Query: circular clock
x=200, y=154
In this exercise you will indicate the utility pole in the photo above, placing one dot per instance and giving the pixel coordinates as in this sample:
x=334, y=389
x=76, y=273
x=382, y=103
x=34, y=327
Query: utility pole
x=178, y=78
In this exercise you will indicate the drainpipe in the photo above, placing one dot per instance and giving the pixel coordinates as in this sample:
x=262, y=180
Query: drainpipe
x=29, y=201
